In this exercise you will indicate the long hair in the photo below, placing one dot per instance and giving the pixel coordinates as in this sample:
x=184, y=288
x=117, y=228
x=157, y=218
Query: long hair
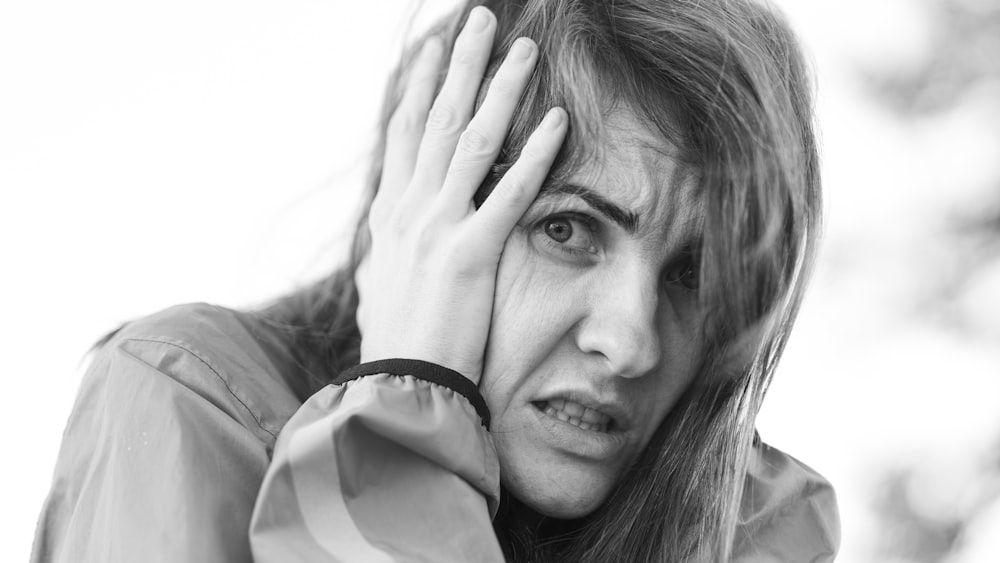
x=723, y=80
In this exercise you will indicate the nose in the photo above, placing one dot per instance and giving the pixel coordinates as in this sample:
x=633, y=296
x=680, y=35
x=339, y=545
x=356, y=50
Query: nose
x=621, y=322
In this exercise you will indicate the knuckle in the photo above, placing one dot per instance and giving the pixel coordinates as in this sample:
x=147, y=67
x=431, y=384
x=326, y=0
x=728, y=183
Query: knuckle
x=442, y=118
x=531, y=154
x=376, y=218
x=378, y=214
x=393, y=228
x=462, y=168
x=391, y=223
x=511, y=189
x=464, y=54
x=504, y=87
x=459, y=258
x=476, y=142
x=403, y=122
x=423, y=238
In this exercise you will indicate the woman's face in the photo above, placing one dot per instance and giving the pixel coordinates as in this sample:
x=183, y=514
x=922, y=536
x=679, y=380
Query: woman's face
x=595, y=324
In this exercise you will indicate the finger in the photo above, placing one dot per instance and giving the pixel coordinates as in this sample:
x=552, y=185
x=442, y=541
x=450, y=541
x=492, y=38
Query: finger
x=519, y=186
x=452, y=109
x=479, y=145
x=406, y=126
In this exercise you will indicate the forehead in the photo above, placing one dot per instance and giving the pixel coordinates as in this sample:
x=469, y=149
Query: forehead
x=641, y=171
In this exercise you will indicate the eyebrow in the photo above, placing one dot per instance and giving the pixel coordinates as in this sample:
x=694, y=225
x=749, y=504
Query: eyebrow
x=625, y=218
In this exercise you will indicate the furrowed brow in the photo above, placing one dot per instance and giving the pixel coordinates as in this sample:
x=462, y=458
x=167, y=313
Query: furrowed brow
x=625, y=218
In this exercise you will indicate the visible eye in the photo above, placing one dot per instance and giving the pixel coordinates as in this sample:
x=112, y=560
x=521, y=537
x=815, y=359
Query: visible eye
x=683, y=272
x=573, y=234
x=559, y=230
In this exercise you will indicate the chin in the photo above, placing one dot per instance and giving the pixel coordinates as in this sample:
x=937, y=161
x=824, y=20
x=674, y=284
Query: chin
x=563, y=509
x=557, y=492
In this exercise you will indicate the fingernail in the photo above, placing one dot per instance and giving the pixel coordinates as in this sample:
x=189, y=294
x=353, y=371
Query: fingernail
x=478, y=19
x=553, y=119
x=521, y=49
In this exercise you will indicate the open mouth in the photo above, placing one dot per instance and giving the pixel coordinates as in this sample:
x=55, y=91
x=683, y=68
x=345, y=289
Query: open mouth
x=576, y=414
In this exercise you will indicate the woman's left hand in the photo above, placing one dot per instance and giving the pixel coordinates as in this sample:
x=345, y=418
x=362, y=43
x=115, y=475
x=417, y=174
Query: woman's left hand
x=426, y=288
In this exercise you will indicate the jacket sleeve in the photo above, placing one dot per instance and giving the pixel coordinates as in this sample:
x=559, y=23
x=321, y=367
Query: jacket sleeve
x=157, y=463
x=385, y=467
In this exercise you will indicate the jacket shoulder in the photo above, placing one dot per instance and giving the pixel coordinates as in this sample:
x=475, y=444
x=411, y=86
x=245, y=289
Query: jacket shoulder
x=236, y=361
x=788, y=513
x=173, y=428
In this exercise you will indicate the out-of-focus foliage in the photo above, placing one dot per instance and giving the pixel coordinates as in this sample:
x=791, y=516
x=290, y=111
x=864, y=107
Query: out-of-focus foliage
x=915, y=529
x=960, y=71
x=961, y=68
x=964, y=56
x=906, y=532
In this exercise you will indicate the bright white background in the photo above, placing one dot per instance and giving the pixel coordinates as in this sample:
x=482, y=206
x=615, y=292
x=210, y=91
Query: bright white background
x=153, y=153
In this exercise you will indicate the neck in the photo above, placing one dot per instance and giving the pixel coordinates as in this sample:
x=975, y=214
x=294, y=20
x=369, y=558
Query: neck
x=523, y=530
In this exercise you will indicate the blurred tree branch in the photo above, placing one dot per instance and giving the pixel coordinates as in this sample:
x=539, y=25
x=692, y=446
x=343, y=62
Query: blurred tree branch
x=963, y=61
x=965, y=55
x=961, y=72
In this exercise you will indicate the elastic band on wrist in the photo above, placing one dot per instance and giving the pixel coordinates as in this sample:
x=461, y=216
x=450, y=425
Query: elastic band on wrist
x=425, y=371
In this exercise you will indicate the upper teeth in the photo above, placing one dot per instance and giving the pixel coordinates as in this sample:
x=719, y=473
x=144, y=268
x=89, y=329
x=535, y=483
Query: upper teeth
x=578, y=415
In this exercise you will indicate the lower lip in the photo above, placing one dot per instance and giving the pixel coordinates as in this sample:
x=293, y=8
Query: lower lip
x=576, y=441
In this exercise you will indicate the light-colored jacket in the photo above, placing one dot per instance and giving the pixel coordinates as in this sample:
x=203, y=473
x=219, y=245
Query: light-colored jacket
x=172, y=453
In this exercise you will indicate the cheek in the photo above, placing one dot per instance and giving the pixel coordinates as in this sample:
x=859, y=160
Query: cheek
x=682, y=357
x=680, y=332
x=524, y=328
x=524, y=284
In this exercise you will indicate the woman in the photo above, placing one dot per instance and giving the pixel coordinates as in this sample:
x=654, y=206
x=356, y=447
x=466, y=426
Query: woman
x=566, y=305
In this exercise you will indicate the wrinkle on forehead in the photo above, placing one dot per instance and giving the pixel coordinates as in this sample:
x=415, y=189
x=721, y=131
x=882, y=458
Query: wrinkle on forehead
x=642, y=171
